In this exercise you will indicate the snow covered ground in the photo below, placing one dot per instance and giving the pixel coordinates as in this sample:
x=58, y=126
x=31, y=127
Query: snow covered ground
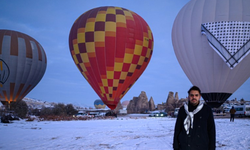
x=122, y=133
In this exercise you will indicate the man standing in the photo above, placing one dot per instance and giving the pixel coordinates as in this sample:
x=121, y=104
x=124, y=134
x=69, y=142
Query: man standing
x=194, y=127
x=232, y=112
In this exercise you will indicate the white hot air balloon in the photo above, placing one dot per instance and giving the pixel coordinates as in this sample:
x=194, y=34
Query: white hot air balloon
x=23, y=63
x=211, y=42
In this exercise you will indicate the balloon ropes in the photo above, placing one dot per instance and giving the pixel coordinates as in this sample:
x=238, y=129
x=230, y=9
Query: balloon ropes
x=22, y=65
x=111, y=46
x=211, y=40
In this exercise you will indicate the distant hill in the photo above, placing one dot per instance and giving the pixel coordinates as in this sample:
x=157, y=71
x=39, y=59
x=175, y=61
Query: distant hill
x=34, y=103
x=38, y=104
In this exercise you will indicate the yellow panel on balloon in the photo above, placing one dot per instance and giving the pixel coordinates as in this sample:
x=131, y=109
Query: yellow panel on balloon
x=83, y=67
x=90, y=26
x=102, y=89
x=138, y=49
x=150, y=34
x=105, y=82
x=141, y=60
x=99, y=36
x=75, y=59
x=110, y=26
x=110, y=74
x=145, y=42
x=90, y=46
x=115, y=82
x=123, y=75
x=111, y=10
x=127, y=14
x=85, y=57
x=128, y=58
x=132, y=67
x=76, y=49
x=101, y=17
x=118, y=66
x=148, y=53
x=110, y=90
x=81, y=37
x=120, y=18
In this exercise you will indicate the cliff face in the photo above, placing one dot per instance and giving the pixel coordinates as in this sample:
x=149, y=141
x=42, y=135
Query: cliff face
x=151, y=104
x=139, y=104
x=173, y=102
x=180, y=102
x=170, y=103
x=176, y=97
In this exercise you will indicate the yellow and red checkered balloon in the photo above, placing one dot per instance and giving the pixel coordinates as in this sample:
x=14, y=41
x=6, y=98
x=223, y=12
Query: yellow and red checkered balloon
x=111, y=46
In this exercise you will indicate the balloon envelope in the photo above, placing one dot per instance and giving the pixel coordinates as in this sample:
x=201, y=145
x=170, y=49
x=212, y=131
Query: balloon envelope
x=125, y=104
x=22, y=65
x=211, y=42
x=99, y=104
x=111, y=47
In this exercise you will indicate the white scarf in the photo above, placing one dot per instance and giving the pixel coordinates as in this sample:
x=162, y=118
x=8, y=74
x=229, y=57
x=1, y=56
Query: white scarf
x=190, y=116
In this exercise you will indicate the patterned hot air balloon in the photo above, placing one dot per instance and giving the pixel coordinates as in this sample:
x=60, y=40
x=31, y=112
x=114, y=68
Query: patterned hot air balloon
x=211, y=40
x=111, y=46
x=125, y=104
x=99, y=104
x=22, y=65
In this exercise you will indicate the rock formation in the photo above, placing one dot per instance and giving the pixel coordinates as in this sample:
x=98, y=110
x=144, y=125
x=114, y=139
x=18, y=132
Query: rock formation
x=141, y=104
x=176, y=97
x=170, y=103
x=151, y=104
x=174, y=102
x=161, y=106
x=138, y=104
x=180, y=102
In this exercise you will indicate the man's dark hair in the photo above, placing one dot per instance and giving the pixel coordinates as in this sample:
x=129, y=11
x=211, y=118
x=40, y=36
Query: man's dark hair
x=195, y=88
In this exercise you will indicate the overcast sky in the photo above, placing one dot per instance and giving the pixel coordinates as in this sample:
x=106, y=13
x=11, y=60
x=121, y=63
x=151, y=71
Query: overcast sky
x=49, y=22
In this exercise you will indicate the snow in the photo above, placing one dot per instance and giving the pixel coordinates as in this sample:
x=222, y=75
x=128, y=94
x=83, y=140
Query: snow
x=122, y=133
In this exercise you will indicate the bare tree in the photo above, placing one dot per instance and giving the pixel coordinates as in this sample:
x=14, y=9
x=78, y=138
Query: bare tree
x=20, y=108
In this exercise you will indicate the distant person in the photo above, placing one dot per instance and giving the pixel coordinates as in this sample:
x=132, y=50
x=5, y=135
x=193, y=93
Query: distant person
x=194, y=127
x=232, y=113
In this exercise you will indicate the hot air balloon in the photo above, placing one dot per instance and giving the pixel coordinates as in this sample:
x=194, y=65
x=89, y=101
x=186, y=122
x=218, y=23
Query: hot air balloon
x=111, y=46
x=211, y=42
x=22, y=65
x=125, y=104
x=99, y=104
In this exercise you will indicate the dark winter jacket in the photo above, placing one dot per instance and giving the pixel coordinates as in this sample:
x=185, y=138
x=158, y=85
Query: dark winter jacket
x=201, y=137
x=232, y=111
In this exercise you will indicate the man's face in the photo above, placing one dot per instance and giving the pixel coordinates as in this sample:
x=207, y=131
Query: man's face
x=194, y=97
